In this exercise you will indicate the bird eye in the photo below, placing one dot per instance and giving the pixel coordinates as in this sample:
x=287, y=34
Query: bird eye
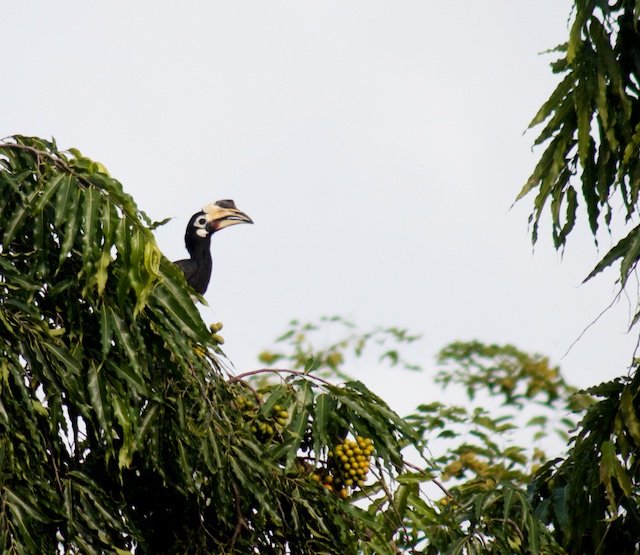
x=201, y=221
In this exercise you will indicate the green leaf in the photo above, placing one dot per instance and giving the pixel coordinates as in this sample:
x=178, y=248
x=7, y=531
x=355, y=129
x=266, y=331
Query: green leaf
x=121, y=412
x=91, y=238
x=325, y=406
x=65, y=199
x=554, y=101
x=134, y=370
x=51, y=188
x=178, y=305
x=17, y=503
x=299, y=422
x=96, y=394
x=629, y=415
x=13, y=226
x=106, y=329
x=72, y=222
x=628, y=249
x=414, y=478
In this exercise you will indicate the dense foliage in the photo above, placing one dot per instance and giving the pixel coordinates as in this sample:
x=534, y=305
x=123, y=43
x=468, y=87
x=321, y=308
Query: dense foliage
x=118, y=430
x=592, y=130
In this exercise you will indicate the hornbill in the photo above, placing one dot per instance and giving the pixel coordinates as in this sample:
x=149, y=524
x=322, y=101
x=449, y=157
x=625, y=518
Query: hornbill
x=197, y=238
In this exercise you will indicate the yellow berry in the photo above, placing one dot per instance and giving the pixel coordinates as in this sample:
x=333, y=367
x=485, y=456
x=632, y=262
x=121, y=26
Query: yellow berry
x=344, y=493
x=218, y=339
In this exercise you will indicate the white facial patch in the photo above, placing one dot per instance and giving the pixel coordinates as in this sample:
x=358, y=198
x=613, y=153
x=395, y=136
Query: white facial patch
x=202, y=233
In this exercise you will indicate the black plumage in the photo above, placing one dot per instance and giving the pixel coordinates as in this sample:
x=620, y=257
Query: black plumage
x=197, y=238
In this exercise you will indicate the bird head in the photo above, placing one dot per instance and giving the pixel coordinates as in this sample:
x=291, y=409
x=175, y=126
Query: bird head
x=217, y=216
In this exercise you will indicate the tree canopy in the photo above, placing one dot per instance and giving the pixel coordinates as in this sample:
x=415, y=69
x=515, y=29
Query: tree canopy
x=122, y=432
x=119, y=428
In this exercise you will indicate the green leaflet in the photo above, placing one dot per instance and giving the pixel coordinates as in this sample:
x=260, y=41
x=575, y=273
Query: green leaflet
x=299, y=421
x=22, y=512
x=50, y=189
x=325, y=406
x=120, y=409
x=97, y=396
x=554, y=101
x=71, y=221
x=134, y=372
x=91, y=237
x=178, y=305
x=629, y=414
x=65, y=198
x=15, y=223
x=64, y=356
x=16, y=278
x=22, y=506
x=106, y=329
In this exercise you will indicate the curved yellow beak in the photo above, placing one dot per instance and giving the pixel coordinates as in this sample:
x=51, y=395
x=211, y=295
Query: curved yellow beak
x=223, y=213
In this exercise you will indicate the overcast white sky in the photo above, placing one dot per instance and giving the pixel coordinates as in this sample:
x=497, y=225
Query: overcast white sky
x=378, y=146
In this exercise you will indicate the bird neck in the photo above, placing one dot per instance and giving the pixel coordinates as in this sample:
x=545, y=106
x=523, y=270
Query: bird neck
x=200, y=252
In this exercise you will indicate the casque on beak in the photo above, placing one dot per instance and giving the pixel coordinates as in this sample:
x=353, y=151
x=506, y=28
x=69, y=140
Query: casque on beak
x=223, y=213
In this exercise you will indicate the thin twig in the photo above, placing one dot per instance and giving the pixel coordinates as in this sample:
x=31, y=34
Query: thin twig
x=55, y=466
x=242, y=523
x=246, y=384
x=392, y=504
x=33, y=150
x=436, y=482
x=595, y=320
x=513, y=525
x=241, y=377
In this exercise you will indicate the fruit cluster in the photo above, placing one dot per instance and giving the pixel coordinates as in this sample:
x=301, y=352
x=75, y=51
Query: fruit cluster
x=467, y=461
x=215, y=328
x=263, y=427
x=347, y=466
